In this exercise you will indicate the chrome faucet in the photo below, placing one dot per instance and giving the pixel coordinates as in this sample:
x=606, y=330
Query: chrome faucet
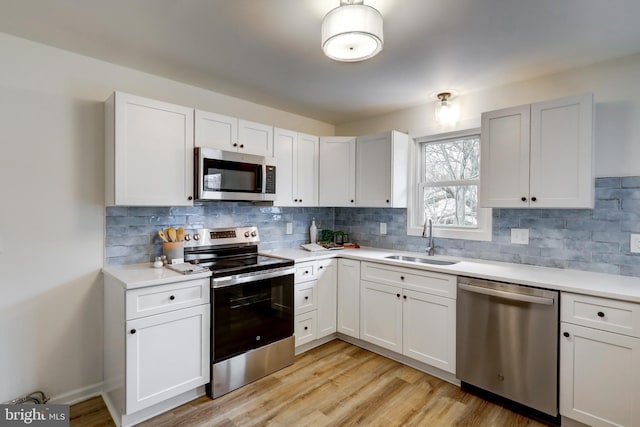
x=431, y=250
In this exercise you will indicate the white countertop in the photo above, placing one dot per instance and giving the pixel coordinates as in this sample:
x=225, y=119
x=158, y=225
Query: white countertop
x=135, y=276
x=583, y=282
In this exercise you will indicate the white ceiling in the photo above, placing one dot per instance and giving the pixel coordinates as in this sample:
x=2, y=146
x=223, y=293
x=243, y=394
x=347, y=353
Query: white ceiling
x=268, y=51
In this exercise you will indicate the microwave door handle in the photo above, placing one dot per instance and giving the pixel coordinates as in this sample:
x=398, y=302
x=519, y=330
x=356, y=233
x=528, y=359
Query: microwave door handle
x=263, y=183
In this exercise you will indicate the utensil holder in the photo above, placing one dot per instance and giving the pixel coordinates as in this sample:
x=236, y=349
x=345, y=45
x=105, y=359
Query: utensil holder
x=173, y=250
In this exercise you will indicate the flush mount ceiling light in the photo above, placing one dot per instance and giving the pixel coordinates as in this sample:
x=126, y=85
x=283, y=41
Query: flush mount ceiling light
x=446, y=111
x=352, y=32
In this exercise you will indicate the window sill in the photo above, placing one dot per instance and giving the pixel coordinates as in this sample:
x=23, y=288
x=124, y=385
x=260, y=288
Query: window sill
x=483, y=234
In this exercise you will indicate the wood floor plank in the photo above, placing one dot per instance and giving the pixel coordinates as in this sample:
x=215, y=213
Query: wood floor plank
x=336, y=384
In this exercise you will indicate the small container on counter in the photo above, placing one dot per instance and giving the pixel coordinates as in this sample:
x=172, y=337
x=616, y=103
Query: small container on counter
x=173, y=251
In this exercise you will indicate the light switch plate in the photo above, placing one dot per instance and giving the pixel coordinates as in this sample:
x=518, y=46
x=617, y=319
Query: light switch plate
x=634, y=243
x=383, y=228
x=289, y=228
x=520, y=236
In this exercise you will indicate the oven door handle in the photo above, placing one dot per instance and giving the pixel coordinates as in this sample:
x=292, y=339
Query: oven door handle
x=506, y=295
x=221, y=282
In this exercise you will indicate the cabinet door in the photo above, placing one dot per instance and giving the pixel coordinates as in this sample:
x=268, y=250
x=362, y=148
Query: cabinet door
x=305, y=297
x=306, y=170
x=599, y=376
x=305, y=329
x=327, y=296
x=152, y=153
x=216, y=131
x=349, y=297
x=381, y=315
x=337, y=180
x=561, y=153
x=285, y=151
x=166, y=354
x=504, y=158
x=255, y=138
x=373, y=171
x=429, y=329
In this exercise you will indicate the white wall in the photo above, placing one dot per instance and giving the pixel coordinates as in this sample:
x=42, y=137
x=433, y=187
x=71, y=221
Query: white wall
x=52, y=208
x=617, y=111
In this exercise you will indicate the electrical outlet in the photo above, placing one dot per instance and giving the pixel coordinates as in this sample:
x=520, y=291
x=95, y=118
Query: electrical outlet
x=383, y=228
x=289, y=228
x=634, y=243
x=520, y=236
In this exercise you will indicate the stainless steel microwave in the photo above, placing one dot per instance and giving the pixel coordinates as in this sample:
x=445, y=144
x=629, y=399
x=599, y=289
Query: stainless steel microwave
x=227, y=175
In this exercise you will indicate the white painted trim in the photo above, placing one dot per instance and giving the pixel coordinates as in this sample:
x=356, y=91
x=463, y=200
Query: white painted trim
x=485, y=216
x=78, y=395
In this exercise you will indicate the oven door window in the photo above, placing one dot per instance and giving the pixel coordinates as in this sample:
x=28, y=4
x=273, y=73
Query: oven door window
x=223, y=175
x=251, y=315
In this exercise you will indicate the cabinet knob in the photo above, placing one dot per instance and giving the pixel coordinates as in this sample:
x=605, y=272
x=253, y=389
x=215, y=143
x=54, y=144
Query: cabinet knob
x=172, y=297
x=306, y=327
x=600, y=314
x=190, y=198
x=300, y=200
x=235, y=145
x=306, y=272
x=524, y=199
x=241, y=145
x=387, y=201
x=401, y=277
x=295, y=200
x=321, y=267
x=352, y=200
x=306, y=297
x=398, y=295
x=566, y=334
x=133, y=331
x=533, y=199
x=404, y=296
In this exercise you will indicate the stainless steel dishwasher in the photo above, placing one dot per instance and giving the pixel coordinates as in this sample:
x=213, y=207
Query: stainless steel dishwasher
x=507, y=342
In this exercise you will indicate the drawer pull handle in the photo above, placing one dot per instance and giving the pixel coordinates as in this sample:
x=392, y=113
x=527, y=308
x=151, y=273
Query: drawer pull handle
x=401, y=277
x=306, y=327
x=172, y=297
x=133, y=331
x=566, y=334
x=600, y=314
x=306, y=297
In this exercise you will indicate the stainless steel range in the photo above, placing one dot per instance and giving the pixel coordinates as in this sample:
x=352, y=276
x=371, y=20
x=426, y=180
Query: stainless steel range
x=251, y=303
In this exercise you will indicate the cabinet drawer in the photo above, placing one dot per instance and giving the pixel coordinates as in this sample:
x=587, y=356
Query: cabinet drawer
x=305, y=327
x=418, y=280
x=601, y=313
x=305, y=297
x=306, y=271
x=160, y=299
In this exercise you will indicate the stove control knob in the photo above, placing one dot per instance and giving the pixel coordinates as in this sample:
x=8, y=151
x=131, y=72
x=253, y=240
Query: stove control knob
x=196, y=236
x=187, y=237
x=246, y=234
x=253, y=234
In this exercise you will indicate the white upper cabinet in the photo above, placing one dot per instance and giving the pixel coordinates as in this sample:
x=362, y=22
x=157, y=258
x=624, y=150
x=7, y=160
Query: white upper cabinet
x=149, y=152
x=382, y=162
x=538, y=155
x=337, y=171
x=231, y=134
x=297, y=168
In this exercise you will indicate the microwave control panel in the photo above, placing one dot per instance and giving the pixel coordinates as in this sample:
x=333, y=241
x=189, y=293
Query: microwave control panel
x=270, y=187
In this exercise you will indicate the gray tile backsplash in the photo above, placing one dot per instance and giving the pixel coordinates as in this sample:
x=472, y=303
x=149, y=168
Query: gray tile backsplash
x=584, y=239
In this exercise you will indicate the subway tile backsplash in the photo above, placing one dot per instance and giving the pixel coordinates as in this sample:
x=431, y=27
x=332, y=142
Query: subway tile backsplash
x=584, y=239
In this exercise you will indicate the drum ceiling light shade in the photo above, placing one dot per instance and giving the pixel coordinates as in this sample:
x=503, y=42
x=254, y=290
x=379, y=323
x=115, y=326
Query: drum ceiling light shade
x=352, y=32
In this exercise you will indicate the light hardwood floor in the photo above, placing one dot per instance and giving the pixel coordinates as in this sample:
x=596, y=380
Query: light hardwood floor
x=337, y=384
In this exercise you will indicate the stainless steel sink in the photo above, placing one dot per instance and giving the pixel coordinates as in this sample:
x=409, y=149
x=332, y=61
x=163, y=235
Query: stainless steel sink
x=421, y=260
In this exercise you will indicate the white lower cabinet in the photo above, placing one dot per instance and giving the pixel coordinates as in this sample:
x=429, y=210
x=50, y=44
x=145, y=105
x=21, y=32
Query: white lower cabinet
x=403, y=310
x=156, y=346
x=349, y=297
x=599, y=369
x=166, y=355
x=315, y=295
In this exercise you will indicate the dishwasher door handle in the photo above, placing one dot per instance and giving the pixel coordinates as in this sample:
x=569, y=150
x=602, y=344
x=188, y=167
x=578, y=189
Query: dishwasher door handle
x=506, y=295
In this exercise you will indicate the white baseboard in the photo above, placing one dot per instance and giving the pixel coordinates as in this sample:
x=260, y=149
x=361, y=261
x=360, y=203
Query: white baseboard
x=313, y=344
x=78, y=395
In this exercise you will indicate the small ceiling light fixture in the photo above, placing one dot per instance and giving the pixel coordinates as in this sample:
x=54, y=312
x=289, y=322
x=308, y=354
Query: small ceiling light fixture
x=446, y=111
x=352, y=32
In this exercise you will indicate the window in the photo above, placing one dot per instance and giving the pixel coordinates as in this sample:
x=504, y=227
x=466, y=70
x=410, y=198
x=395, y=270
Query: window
x=446, y=187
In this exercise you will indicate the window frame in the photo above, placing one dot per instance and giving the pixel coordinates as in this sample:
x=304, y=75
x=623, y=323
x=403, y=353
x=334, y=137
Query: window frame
x=483, y=232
